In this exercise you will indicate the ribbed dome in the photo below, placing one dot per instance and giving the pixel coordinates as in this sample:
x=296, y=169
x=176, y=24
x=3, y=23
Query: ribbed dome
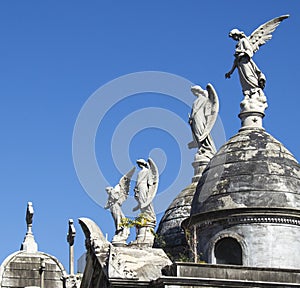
x=251, y=170
x=171, y=235
x=22, y=269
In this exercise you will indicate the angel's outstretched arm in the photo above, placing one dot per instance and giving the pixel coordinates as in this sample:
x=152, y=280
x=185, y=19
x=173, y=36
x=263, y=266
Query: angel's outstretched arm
x=228, y=74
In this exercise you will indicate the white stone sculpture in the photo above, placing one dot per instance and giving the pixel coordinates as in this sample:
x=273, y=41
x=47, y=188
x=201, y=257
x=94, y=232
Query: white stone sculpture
x=202, y=119
x=116, y=197
x=251, y=78
x=144, y=192
x=70, y=239
x=29, y=243
x=72, y=281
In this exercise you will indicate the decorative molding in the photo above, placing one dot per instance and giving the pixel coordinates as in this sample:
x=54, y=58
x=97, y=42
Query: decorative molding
x=244, y=215
x=275, y=219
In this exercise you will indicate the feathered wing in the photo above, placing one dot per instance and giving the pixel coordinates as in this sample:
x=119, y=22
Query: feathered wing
x=214, y=102
x=124, y=185
x=264, y=32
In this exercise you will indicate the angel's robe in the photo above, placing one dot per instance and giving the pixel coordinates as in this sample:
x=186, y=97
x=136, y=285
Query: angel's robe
x=143, y=184
x=201, y=110
x=249, y=73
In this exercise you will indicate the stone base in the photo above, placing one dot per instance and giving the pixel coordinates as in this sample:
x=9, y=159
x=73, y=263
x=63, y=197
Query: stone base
x=215, y=276
x=121, y=237
x=254, y=100
x=251, y=119
x=72, y=281
x=199, y=166
x=144, y=237
x=140, y=264
x=29, y=243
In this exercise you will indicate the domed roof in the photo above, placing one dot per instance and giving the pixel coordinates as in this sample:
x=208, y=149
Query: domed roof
x=29, y=267
x=171, y=236
x=22, y=269
x=252, y=170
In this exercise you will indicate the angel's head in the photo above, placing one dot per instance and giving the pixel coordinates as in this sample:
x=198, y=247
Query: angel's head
x=142, y=163
x=109, y=189
x=236, y=34
x=198, y=91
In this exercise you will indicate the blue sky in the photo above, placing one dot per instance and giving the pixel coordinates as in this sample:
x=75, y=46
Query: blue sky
x=55, y=54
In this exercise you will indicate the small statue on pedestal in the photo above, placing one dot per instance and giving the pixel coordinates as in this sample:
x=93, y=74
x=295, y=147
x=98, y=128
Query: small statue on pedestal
x=251, y=78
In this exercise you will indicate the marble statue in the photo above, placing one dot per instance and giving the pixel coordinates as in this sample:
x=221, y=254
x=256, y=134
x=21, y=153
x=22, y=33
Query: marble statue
x=146, y=188
x=70, y=239
x=251, y=78
x=116, y=196
x=29, y=215
x=29, y=243
x=144, y=192
x=71, y=232
x=202, y=119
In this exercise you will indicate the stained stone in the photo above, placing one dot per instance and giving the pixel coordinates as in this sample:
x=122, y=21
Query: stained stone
x=250, y=192
x=264, y=175
x=171, y=236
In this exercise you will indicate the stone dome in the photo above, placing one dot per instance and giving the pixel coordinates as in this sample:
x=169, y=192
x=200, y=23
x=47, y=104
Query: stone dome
x=245, y=210
x=24, y=269
x=30, y=267
x=251, y=170
x=171, y=236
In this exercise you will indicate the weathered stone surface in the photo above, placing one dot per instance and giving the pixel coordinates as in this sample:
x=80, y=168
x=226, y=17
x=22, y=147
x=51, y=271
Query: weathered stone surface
x=110, y=266
x=142, y=264
x=252, y=169
x=171, y=236
x=95, y=273
x=199, y=275
x=250, y=192
x=22, y=269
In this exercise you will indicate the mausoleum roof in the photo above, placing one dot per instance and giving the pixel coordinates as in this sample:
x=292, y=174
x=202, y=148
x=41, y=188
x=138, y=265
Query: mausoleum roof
x=171, y=235
x=30, y=267
x=252, y=170
x=23, y=269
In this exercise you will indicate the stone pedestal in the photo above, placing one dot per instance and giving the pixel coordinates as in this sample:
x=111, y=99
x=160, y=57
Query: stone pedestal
x=109, y=266
x=144, y=236
x=29, y=243
x=251, y=119
x=199, y=166
x=253, y=108
x=119, y=240
x=72, y=281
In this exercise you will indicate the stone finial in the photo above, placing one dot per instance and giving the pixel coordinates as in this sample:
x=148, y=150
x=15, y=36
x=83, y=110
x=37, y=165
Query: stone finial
x=71, y=232
x=29, y=244
x=70, y=239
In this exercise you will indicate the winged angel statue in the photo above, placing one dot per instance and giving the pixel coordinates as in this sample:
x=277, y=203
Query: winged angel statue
x=116, y=197
x=251, y=78
x=146, y=188
x=202, y=119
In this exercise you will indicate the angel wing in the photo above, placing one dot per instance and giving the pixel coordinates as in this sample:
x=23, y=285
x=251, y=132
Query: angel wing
x=264, y=32
x=124, y=185
x=153, y=181
x=214, y=102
